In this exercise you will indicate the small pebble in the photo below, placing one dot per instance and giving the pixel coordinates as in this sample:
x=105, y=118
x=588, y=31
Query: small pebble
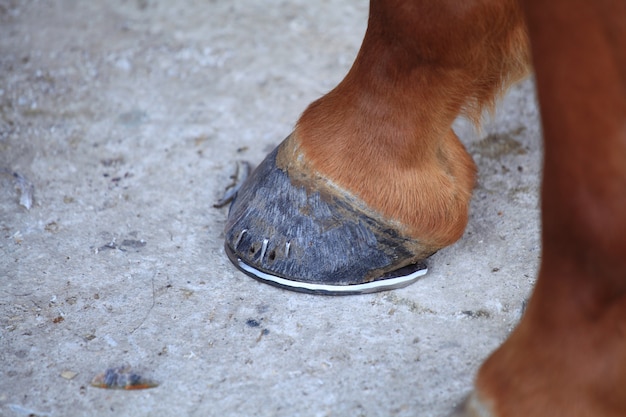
x=68, y=374
x=121, y=378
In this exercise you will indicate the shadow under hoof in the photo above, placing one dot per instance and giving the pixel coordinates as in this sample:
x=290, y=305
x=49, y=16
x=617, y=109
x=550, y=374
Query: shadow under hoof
x=315, y=239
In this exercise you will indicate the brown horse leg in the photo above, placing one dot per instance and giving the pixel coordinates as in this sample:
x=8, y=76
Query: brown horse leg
x=567, y=358
x=373, y=178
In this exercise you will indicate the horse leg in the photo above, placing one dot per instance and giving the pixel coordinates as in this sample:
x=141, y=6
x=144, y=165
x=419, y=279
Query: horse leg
x=567, y=357
x=373, y=179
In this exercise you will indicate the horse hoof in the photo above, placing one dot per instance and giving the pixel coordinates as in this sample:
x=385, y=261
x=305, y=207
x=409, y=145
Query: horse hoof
x=292, y=228
x=471, y=406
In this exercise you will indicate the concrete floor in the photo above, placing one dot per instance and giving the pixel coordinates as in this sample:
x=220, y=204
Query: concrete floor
x=127, y=117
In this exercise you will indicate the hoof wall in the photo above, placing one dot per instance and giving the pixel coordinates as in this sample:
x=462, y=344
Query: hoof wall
x=316, y=238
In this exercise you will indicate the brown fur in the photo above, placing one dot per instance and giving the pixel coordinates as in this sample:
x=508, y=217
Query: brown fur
x=568, y=355
x=384, y=132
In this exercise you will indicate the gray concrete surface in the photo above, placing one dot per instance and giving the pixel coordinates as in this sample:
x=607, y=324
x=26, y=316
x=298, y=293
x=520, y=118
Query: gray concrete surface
x=127, y=117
